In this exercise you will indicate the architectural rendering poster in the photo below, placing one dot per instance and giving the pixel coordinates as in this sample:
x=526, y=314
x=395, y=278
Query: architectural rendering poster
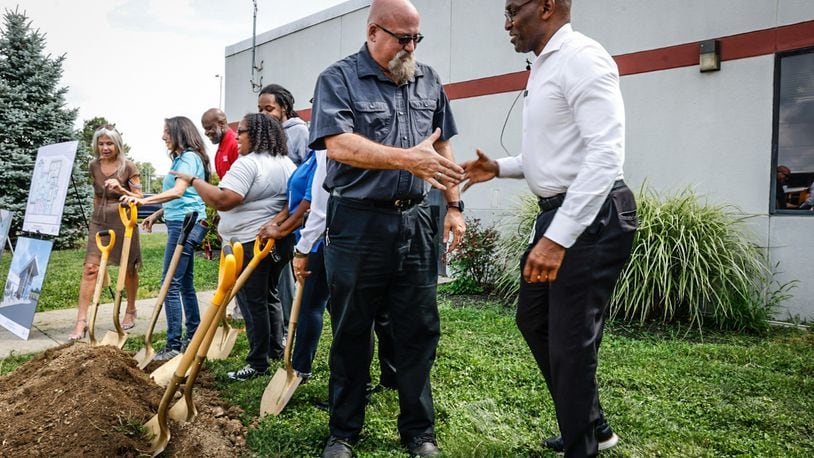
x=49, y=185
x=5, y=224
x=22, y=291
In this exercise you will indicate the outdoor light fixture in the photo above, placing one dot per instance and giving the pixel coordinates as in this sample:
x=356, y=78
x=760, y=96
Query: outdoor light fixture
x=710, y=59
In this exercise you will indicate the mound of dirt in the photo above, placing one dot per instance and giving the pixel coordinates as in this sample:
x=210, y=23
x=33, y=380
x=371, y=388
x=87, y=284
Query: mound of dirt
x=78, y=400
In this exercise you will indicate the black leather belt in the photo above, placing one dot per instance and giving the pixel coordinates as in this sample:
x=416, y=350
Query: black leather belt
x=395, y=204
x=550, y=203
x=554, y=202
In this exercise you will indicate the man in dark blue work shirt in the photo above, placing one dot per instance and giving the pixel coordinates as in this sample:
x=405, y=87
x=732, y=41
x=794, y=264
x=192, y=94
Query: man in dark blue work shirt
x=386, y=123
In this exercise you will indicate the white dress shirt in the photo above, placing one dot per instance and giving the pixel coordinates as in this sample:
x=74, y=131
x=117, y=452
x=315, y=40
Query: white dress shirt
x=315, y=224
x=573, y=131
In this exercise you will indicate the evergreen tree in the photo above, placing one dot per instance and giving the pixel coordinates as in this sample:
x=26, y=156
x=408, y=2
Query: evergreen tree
x=33, y=113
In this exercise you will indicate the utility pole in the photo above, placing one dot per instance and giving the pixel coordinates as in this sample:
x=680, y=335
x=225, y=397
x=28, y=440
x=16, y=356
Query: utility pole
x=220, y=90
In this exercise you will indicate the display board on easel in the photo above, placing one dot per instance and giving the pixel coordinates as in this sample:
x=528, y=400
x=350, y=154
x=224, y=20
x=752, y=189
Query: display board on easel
x=23, y=285
x=49, y=186
x=43, y=216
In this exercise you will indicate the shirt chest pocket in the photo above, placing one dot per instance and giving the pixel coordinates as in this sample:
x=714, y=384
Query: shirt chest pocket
x=373, y=120
x=422, y=112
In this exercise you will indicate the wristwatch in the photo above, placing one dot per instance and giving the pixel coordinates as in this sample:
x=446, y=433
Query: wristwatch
x=459, y=204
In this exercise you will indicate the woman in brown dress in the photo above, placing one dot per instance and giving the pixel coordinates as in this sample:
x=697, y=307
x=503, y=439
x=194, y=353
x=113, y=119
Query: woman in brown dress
x=113, y=176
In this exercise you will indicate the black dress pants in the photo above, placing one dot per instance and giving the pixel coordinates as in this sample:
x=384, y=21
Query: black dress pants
x=260, y=304
x=381, y=260
x=562, y=321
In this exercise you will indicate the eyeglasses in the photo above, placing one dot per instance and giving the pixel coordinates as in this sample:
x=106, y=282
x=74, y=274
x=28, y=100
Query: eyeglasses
x=404, y=40
x=242, y=131
x=510, y=14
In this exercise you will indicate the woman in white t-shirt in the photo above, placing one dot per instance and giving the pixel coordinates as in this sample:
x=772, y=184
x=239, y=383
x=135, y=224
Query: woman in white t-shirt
x=252, y=192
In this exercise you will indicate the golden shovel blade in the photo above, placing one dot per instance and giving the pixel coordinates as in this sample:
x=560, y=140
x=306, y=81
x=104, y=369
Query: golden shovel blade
x=164, y=373
x=184, y=409
x=114, y=339
x=279, y=391
x=159, y=437
x=222, y=343
x=144, y=357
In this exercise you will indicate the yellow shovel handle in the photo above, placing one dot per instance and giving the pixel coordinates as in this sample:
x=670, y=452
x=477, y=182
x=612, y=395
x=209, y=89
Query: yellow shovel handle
x=102, y=247
x=130, y=220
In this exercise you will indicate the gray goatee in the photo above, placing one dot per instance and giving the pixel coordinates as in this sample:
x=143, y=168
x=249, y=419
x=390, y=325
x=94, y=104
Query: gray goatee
x=402, y=67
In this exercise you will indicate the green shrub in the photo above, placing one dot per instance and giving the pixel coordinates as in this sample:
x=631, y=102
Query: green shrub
x=691, y=261
x=211, y=242
x=472, y=261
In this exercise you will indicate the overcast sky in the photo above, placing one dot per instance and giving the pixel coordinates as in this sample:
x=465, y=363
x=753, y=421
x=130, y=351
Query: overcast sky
x=136, y=62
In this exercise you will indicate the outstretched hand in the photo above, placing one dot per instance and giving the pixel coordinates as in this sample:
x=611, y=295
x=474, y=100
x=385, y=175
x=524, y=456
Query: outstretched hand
x=131, y=200
x=479, y=170
x=430, y=166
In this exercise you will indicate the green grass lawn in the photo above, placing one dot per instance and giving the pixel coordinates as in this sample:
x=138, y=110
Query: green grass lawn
x=61, y=287
x=665, y=394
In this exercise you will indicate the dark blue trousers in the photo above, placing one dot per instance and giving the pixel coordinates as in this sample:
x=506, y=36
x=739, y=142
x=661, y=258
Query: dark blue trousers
x=562, y=322
x=312, y=309
x=380, y=259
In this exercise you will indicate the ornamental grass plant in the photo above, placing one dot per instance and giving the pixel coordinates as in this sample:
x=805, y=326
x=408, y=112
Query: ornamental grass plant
x=692, y=262
x=513, y=243
x=695, y=261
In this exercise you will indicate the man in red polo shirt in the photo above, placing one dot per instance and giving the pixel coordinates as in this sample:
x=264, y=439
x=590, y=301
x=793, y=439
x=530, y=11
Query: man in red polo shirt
x=218, y=131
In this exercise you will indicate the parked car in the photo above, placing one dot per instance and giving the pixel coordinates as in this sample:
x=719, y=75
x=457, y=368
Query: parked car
x=147, y=210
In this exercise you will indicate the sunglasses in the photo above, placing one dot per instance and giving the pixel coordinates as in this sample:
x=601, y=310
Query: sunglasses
x=242, y=131
x=403, y=40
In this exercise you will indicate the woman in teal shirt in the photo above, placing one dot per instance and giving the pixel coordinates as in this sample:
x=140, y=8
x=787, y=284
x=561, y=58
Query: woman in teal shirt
x=188, y=154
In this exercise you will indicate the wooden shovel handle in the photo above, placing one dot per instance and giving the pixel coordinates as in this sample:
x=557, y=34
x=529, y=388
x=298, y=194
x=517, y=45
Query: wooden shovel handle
x=292, y=327
x=100, y=278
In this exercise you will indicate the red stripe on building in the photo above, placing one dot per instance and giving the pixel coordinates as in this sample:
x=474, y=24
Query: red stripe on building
x=733, y=47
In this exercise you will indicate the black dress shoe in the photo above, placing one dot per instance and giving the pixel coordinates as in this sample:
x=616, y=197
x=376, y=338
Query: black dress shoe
x=337, y=448
x=322, y=405
x=423, y=445
x=605, y=438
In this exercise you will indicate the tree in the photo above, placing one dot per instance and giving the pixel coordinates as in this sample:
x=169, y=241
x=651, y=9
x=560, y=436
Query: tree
x=147, y=174
x=33, y=113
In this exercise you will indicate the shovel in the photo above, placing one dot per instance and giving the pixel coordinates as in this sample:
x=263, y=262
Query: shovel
x=146, y=354
x=100, y=279
x=226, y=336
x=285, y=381
x=163, y=374
x=184, y=409
x=118, y=338
x=157, y=426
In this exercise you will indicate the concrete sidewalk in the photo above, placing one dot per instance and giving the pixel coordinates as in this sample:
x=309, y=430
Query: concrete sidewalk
x=51, y=329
